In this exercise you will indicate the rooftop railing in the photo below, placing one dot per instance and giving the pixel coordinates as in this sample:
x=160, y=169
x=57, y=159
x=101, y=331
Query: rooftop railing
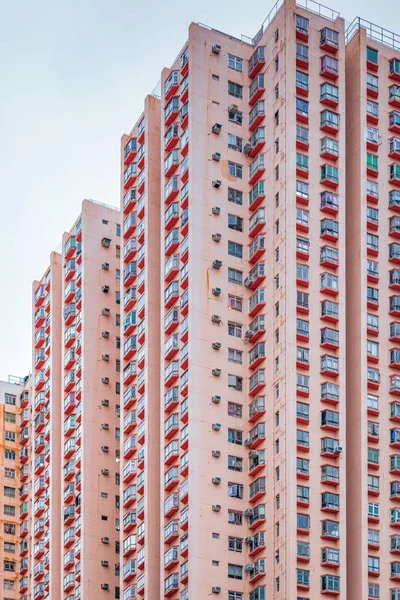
x=374, y=32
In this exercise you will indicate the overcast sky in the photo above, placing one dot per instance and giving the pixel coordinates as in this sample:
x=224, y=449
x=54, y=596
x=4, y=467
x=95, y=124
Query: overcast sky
x=73, y=76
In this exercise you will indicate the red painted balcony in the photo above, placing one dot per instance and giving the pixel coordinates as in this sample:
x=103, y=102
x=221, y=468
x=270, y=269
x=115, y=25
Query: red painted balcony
x=130, y=151
x=130, y=175
x=256, y=61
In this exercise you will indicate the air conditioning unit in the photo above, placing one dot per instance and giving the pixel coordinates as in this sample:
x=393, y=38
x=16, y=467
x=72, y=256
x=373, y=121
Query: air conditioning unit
x=105, y=472
x=216, y=183
x=105, y=449
x=217, y=264
x=105, y=426
x=105, y=380
x=216, y=345
x=216, y=507
x=105, y=403
x=216, y=237
x=105, y=586
x=105, y=334
x=216, y=480
x=216, y=156
x=105, y=357
x=233, y=108
x=105, y=540
x=106, y=312
x=106, y=242
x=216, y=319
x=248, y=540
x=248, y=281
x=216, y=453
x=253, y=453
x=216, y=399
x=104, y=563
x=216, y=589
x=249, y=567
x=338, y=450
x=247, y=149
x=249, y=334
x=216, y=291
x=216, y=49
x=216, y=372
x=105, y=266
x=248, y=512
x=215, y=210
x=247, y=442
x=106, y=289
x=216, y=426
x=217, y=128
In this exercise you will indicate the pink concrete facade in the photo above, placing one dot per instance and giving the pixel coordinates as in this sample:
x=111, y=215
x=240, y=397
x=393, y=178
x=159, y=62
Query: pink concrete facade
x=373, y=202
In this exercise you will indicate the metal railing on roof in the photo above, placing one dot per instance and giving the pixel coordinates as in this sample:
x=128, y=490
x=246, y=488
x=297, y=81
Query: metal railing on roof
x=319, y=9
x=374, y=32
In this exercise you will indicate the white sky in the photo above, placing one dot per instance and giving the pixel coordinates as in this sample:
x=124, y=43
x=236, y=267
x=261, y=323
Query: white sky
x=73, y=76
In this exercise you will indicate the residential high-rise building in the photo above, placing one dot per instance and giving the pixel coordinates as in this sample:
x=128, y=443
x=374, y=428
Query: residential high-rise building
x=140, y=355
x=373, y=309
x=252, y=391
x=75, y=423
x=11, y=394
x=41, y=452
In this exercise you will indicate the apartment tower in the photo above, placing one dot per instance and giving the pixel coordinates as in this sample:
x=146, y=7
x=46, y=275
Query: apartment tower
x=140, y=348
x=41, y=426
x=11, y=395
x=75, y=421
x=373, y=309
x=252, y=311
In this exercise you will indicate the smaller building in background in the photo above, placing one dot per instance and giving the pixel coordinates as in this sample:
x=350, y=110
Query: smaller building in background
x=12, y=394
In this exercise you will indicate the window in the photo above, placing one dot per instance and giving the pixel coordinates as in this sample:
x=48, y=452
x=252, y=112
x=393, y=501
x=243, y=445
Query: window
x=235, y=142
x=235, y=436
x=234, y=62
x=235, y=303
x=9, y=510
x=235, y=490
x=235, y=222
x=372, y=108
x=235, y=196
x=302, y=24
x=235, y=517
x=374, y=590
x=10, y=399
x=234, y=89
x=9, y=492
x=235, y=276
x=118, y=274
x=372, y=82
x=9, y=454
x=302, y=189
x=302, y=162
x=235, y=382
x=302, y=134
x=302, y=52
x=302, y=300
x=235, y=170
x=235, y=596
x=235, y=409
x=303, y=438
x=235, y=571
x=302, y=80
x=303, y=494
x=276, y=63
x=302, y=107
x=9, y=436
x=372, y=55
x=235, y=463
x=10, y=417
x=9, y=473
x=235, y=329
x=303, y=355
x=235, y=249
x=276, y=117
x=235, y=356
x=235, y=116
x=303, y=521
x=373, y=349
x=372, y=162
x=235, y=544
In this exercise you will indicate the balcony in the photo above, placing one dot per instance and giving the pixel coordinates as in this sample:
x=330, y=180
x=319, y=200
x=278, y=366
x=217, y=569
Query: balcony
x=329, y=257
x=329, y=122
x=394, y=174
x=257, y=302
x=329, y=40
x=171, y=242
x=256, y=115
x=39, y=295
x=256, y=169
x=130, y=175
x=257, y=221
x=329, y=230
x=257, y=88
x=329, y=176
x=129, y=471
x=257, y=195
x=329, y=338
x=329, y=67
x=256, y=61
